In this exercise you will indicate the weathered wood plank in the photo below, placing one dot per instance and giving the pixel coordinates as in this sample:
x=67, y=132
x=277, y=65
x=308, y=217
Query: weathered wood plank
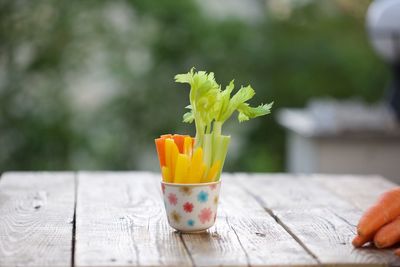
x=323, y=222
x=120, y=221
x=244, y=234
x=218, y=246
x=354, y=189
x=36, y=219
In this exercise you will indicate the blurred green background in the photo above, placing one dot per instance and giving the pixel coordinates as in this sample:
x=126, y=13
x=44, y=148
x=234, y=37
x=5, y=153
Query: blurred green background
x=89, y=84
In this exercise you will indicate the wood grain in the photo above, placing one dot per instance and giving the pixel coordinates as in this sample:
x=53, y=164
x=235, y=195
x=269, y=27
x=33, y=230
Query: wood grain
x=323, y=222
x=244, y=234
x=120, y=221
x=36, y=219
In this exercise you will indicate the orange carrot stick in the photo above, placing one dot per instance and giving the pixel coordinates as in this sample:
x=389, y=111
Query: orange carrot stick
x=388, y=235
x=164, y=136
x=160, y=146
x=179, y=141
x=168, y=156
x=385, y=210
x=359, y=241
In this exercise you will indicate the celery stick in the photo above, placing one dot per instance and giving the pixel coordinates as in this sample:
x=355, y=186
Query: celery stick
x=222, y=144
x=207, y=150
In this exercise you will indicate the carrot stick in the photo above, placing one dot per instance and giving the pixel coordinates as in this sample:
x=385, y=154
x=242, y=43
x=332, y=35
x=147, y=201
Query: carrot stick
x=385, y=210
x=179, y=141
x=359, y=241
x=160, y=146
x=388, y=235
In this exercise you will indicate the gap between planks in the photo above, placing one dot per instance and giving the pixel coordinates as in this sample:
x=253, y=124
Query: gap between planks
x=284, y=226
x=187, y=250
x=74, y=219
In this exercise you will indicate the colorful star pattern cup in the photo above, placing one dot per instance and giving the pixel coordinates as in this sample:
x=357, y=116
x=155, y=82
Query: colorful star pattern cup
x=191, y=207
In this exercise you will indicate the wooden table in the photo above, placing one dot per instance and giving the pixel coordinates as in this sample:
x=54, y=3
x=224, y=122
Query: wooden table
x=117, y=219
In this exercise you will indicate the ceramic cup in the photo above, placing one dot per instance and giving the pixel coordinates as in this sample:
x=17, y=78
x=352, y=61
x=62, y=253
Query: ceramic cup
x=191, y=208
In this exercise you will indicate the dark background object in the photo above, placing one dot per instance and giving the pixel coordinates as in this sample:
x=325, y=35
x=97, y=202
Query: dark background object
x=394, y=90
x=383, y=23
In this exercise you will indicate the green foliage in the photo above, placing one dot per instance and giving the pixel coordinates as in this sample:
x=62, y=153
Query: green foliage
x=89, y=84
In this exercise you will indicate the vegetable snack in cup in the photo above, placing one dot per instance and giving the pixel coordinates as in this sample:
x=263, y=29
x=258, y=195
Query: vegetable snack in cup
x=187, y=162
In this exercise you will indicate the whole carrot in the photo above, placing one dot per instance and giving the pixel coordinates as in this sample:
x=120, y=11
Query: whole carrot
x=359, y=241
x=385, y=210
x=388, y=235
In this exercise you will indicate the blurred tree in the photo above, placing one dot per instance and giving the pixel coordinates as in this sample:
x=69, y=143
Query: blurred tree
x=34, y=113
x=89, y=84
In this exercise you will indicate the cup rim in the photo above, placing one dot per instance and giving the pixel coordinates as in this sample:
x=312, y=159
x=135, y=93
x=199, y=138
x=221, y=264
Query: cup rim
x=197, y=184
